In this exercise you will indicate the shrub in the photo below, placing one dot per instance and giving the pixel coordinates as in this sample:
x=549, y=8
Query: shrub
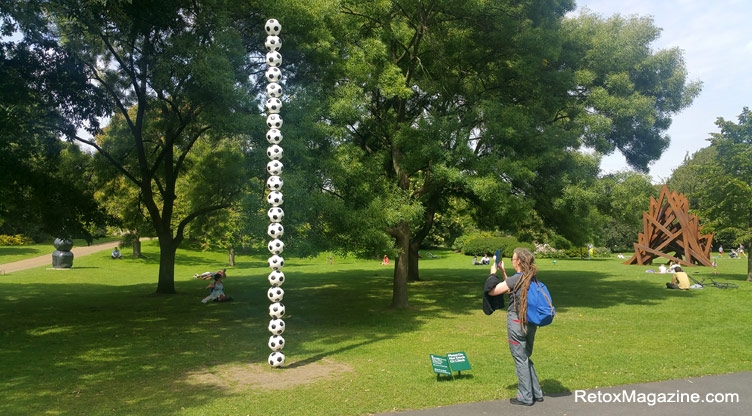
x=482, y=245
x=15, y=240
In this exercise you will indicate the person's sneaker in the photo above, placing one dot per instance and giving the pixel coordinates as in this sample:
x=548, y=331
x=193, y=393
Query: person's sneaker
x=515, y=401
x=195, y=276
x=538, y=399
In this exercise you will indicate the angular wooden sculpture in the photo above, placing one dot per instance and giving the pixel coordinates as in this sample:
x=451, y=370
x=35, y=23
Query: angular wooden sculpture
x=669, y=228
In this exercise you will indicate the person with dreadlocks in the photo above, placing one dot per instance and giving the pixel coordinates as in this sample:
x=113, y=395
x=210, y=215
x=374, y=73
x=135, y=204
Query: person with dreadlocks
x=520, y=333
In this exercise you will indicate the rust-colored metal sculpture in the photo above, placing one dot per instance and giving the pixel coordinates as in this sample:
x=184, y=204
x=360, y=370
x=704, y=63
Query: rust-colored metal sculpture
x=669, y=228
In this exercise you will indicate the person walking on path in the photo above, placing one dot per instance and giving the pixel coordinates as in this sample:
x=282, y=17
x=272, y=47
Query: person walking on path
x=520, y=333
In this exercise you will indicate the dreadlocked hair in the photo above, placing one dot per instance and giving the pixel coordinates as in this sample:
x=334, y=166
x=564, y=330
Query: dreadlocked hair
x=529, y=271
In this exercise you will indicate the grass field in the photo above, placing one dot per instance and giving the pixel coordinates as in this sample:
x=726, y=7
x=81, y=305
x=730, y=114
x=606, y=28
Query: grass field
x=9, y=254
x=96, y=340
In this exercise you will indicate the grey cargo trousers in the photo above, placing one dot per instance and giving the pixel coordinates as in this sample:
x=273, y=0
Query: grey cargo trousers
x=521, y=347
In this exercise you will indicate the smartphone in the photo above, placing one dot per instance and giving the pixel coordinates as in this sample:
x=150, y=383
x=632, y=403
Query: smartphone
x=498, y=257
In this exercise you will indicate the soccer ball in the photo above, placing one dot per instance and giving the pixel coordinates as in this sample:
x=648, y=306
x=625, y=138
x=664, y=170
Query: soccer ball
x=273, y=74
x=276, y=309
x=274, y=90
x=274, y=152
x=276, y=278
x=274, y=183
x=273, y=43
x=276, y=342
x=273, y=105
x=274, y=121
x=274, y=58
x=273, y=27
x=275, y=230
x=276, y=359
x=275, y=199
x=275, y=214
x=275, y=294
x=274, y=167
x=276, y=246
x=276, y=262
x=277, y=326
x=274, y=136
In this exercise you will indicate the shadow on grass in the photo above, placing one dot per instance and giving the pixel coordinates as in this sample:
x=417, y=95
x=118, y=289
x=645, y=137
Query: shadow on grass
x=15, y=251
x=131, y=350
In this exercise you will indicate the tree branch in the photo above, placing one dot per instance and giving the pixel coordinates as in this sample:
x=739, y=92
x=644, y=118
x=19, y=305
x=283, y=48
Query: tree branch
x=194, y=215
x=110, y=158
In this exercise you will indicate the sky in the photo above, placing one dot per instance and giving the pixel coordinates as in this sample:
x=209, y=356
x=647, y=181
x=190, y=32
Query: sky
x=716, y=37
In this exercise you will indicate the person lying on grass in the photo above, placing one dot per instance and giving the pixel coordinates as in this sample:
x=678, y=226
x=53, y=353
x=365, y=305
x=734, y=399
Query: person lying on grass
x=216, y=288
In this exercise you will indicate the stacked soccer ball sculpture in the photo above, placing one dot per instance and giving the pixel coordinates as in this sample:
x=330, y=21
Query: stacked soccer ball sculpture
x=274, y=197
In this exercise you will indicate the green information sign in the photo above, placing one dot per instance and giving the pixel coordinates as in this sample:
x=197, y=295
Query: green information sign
x=458, y=361
x=454, y=361
x=440, y=365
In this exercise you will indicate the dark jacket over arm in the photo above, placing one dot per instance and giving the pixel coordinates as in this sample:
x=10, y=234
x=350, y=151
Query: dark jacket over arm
x=491, y=303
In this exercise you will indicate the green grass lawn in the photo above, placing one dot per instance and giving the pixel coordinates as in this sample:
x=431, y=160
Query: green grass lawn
x=9, y=254
x=96, y=340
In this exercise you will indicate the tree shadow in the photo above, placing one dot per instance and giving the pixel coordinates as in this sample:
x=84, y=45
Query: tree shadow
x=16, y=251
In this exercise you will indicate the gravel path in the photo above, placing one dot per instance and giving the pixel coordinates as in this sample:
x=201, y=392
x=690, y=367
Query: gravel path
x=46, y=260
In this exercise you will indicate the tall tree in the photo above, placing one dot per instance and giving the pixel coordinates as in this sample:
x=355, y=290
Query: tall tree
x=177, y=73
x=622, y=199
x=727, y=194
x=44, y=100
x=485, y=101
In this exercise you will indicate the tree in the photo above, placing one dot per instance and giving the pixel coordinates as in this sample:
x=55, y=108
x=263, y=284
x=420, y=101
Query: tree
x=433, y=100
x=622, y=199
x=176, y=72
x=727, y=194
x=44, y=99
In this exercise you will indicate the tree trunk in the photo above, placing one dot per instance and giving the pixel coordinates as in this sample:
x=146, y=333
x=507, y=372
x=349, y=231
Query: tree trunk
x=167, y=249
x=413, y=274
x=399, y=294
x=136, y=248
x=231, y=262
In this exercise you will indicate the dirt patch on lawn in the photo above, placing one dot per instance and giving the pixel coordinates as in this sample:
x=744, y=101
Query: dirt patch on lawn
x=242, y=377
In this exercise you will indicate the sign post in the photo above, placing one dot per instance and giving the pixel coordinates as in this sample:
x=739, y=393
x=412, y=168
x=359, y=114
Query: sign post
x=454, y=361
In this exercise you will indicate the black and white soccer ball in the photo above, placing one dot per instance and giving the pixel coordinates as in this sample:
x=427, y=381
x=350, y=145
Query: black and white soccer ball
x=275, y=294
x=275, y=230
x=274, y=121
x=276, y=326
x=273, y=105
x=273, y=43
x=275, y=214
x=274, y=90
x=276, y=262
x=274, y=167
x=276, y=309
x=276, y=359
x=274, y=59
x=273, y=136
x=274, y=183
x=273, y=74
x=274, y=152
x=276, y=278
x=272, y=27
x=276, y=246
x=276, y=343
x=275, y=199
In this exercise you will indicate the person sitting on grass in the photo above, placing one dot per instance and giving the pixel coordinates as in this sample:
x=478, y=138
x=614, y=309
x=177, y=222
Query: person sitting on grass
x=679, y=281
x=385, y=261
x=217, y=293
x=116, y=254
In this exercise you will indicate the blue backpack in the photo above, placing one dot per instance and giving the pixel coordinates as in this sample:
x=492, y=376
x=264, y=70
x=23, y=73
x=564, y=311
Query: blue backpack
x=540, y=309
